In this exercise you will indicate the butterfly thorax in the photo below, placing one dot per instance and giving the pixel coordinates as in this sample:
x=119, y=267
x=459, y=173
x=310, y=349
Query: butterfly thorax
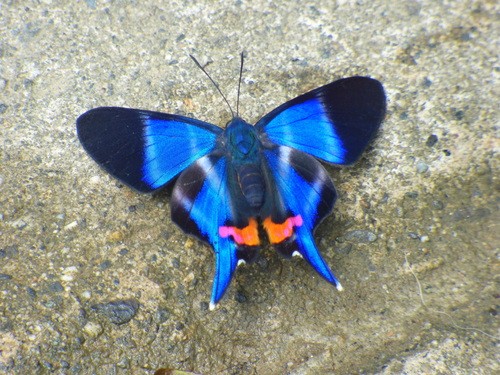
x=243, y=150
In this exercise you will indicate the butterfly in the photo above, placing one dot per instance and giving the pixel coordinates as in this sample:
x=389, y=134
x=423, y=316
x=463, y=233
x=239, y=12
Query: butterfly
x=236, y=185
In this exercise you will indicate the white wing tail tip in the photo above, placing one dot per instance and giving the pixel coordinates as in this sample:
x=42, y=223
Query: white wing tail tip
x=339, y=287
x=212, y=306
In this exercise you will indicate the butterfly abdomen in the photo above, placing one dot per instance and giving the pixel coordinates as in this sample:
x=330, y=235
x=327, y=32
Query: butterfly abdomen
x=251, y=184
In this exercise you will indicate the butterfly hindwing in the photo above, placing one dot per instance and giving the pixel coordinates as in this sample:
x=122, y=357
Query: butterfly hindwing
x=201, y=205
x=308, y=195
x=334, y=122
x=144, y=149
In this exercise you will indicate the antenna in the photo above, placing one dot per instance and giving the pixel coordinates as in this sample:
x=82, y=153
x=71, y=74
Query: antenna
x=215, y=84
x=239, y=84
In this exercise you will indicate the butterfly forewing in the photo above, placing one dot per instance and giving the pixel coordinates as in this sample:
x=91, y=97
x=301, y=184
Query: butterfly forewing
x=334, y=122
x=144, y=149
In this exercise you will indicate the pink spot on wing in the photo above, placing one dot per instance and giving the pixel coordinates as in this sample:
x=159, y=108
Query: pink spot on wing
x=248, y=235
x=225, y=232
x=296, y=220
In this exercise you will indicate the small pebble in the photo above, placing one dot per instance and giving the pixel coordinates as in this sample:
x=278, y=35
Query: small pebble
x=19, y=224
x=240, y=297
x=123, y=363
x=123, y=252
x=438, y=205
x=427, y=82
x=344, y=249
x=413, y=235
x=162, y=315
x=91, y=3
x=363, y=236
x=67, y=273
x=92, y=329
x=31, y=292
x=432, y=140
x=175, y=263
x=116, y=236
x=56, y=287
x=422, y=167
x=118, y=312
x=11, y=251
x=459, y=114
x=87, y=294
x=71, y=225
x=105, y=265
x=48, y=365
x=204, y=306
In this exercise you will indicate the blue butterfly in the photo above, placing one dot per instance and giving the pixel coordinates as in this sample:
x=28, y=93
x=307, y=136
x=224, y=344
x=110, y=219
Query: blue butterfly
x=236, y=183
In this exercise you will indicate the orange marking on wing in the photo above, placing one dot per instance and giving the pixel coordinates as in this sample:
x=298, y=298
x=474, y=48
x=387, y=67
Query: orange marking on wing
x=248, y=235
x=280, y=232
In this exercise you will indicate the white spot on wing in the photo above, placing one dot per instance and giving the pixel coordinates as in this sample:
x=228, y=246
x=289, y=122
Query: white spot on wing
x=318, y=181
x=205, y=164
x=210, y=172
x=284, y=155
x=184, y=200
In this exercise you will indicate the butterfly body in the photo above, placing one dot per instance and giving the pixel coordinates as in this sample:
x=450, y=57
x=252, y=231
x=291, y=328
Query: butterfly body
x=235, y=184
x=243, y=152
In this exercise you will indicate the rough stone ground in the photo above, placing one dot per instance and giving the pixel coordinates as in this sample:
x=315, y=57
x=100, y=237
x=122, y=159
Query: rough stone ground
x=72, y=240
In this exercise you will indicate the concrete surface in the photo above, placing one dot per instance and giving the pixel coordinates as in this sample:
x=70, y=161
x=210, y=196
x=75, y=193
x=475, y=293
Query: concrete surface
x=420, y=298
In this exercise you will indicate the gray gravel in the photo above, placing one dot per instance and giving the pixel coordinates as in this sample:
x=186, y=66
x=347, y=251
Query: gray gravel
x=422, y=204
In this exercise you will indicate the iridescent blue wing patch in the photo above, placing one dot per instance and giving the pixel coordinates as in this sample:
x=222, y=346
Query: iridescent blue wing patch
x=144, y=149
x=202, y=206
x=306, y=193
x=334, y=122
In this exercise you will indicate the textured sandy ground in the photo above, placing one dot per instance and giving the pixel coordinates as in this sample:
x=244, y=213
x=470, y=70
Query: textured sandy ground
x=421, y=205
